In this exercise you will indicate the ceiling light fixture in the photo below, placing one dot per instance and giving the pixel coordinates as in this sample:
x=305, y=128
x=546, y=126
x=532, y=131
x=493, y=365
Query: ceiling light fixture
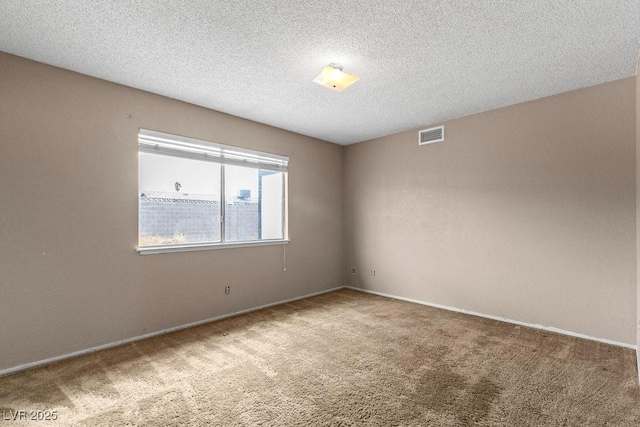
x=334, y=78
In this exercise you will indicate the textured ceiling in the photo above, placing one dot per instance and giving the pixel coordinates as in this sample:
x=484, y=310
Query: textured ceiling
x=420, y=62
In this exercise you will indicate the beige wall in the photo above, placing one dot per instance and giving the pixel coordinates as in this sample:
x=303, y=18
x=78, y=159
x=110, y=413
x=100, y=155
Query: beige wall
x=70, y=277
x=638, y=205
x=525, y=212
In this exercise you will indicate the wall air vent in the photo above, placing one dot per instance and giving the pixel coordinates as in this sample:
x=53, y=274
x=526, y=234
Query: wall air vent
x=429, y=136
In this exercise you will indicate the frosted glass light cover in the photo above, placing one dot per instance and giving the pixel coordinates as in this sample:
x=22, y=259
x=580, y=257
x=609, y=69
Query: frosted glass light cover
x=335, y=79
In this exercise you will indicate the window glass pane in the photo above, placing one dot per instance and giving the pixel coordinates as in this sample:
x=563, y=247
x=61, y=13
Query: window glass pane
x=179, y=201
x=272, y=207
x=253, y=204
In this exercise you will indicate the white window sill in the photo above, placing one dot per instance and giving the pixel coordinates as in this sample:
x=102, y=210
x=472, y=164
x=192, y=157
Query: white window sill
x=148, y=250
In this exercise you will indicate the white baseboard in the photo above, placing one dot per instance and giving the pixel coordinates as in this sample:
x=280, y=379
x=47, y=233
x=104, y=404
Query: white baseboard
x=502, y=319
x=382, y=294
x=153, y=334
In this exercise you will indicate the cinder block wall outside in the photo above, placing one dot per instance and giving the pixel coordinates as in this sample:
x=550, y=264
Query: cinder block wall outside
x=197, y=219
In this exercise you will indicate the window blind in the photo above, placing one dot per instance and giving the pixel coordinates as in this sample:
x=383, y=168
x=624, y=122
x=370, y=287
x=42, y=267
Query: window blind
x=153, y=142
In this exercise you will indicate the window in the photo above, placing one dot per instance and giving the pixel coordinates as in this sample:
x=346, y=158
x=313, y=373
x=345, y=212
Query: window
x=195, y=194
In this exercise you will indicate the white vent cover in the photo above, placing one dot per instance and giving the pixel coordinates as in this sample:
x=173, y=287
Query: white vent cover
x=429, y=136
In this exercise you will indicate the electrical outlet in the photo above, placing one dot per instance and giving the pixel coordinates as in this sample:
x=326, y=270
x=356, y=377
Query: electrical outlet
x=227, y=290
x=373, y=272
x=353, y=271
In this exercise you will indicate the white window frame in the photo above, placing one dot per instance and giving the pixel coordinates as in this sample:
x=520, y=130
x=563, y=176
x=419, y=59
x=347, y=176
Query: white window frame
x=169, y=145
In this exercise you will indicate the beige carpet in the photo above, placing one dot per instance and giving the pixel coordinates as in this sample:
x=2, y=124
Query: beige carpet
x=339, y=359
